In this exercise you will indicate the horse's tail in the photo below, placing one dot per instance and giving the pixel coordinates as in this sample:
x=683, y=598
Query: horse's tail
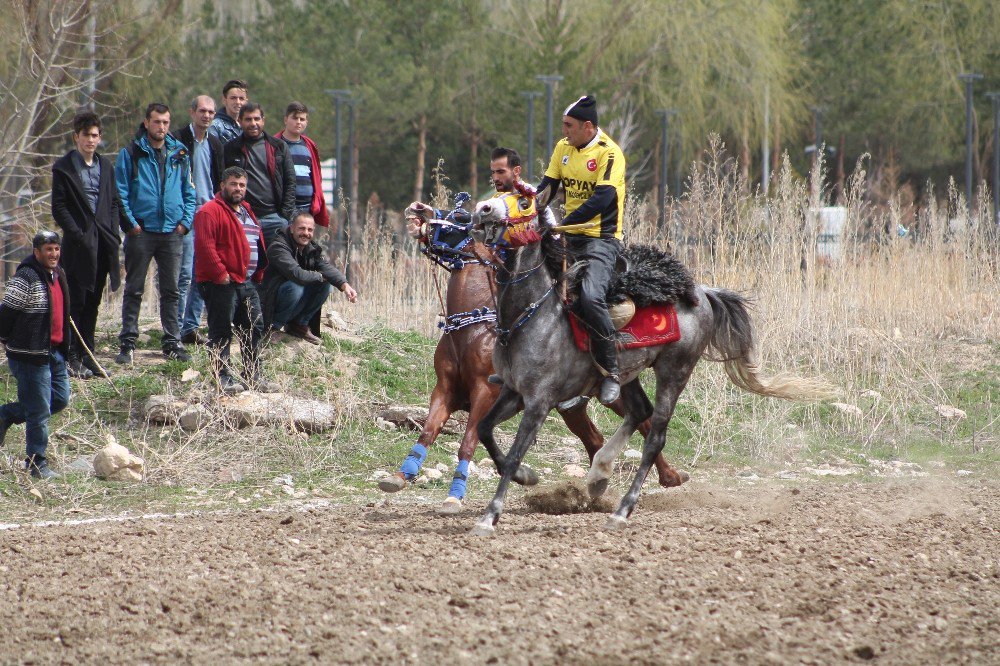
x=733, y=344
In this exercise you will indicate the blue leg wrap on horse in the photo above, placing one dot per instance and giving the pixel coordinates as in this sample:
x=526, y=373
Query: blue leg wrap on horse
x=411, y=466
x=458, y=481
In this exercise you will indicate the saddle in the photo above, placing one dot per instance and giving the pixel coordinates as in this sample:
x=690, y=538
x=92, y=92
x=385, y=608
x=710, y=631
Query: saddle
x=642, y=297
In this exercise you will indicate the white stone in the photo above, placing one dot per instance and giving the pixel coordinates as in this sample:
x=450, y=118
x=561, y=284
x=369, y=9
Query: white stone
x=117, y=463
x=633, y=454
x=378, y=475
x=251, y=408
x=335, y=321
x=574, y=471
x=163, y=409
x=190, y=375
x=850, y=410
x=963, y=472
x=382, y=424
x=949, y=412
x=433, y=474
x=441, y=467
x=81, y=465
x=194, y=417
x=283, y=480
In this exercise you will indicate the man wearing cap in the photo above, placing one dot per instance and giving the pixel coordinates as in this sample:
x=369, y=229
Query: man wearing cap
x=591, y=169
x=34, y=329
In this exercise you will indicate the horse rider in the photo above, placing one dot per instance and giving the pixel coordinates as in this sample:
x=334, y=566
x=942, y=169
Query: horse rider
x=591, y=168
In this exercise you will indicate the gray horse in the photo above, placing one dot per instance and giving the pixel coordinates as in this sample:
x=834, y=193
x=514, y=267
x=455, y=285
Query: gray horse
x=541, y=367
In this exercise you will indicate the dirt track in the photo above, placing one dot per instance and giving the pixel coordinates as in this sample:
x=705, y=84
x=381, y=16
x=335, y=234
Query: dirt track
x=903, y=573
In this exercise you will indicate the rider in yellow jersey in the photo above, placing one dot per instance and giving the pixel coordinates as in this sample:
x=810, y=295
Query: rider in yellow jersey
x=591, y=169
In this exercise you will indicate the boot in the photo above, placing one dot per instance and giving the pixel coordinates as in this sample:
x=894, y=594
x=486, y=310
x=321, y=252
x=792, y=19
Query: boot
x=606, y=356
x=76, y=368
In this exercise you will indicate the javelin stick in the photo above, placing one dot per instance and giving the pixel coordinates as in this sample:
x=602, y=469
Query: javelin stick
x=92, y=358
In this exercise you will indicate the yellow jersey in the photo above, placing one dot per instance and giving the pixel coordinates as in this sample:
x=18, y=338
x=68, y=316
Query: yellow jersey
x=581, y=171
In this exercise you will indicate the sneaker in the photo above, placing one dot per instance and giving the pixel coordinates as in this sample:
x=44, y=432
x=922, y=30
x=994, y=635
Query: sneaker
x=263, y=385
x=125, y=356
x=229, y=386
x=94, y=368
x=41, y=470
x=177, y=353
x=75, y=368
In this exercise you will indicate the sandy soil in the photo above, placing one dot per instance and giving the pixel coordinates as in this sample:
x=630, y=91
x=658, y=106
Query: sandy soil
x=901, y=573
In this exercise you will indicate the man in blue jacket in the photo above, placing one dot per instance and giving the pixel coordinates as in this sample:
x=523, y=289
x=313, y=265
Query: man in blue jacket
x=153, y=175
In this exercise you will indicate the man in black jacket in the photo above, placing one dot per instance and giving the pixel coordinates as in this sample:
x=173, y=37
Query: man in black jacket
x=298, y=280
x=85, y=206
x=270, y=171
x=206, y=169
x=34, y=329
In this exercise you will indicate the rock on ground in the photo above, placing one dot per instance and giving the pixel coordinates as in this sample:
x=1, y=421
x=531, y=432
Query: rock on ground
x=249, y=409
x=116, y=463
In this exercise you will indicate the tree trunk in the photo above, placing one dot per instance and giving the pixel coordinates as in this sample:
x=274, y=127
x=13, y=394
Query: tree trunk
x=418, y=179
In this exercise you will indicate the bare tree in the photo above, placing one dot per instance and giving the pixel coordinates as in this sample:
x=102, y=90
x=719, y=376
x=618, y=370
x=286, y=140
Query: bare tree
x=59, y=55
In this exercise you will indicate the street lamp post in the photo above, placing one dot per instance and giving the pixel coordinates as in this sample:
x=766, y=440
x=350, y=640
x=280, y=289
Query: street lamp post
x=968, y=79
x=339, y=96
x=661, y=218
x=550, y=81
x=531, y=95
x=995, y=98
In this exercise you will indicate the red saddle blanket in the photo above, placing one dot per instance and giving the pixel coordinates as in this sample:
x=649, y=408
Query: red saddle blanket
x=652, y=325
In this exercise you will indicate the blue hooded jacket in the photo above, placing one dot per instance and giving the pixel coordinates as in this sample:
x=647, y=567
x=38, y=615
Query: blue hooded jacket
x=144, y=202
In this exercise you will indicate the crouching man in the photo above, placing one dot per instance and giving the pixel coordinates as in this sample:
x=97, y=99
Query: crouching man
x=299, y=279
x=34, y=328
x=229, y=258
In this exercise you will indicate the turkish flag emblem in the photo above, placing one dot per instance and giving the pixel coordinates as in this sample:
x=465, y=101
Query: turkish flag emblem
x=591, y=165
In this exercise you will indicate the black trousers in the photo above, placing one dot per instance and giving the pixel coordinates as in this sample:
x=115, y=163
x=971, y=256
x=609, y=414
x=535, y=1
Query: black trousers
x=230, y=306
x=591, y=304
x=83, y=307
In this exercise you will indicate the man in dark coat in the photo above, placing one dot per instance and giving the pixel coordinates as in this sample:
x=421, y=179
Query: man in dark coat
x=85, y=206
x=298, y=280
x=270, y=171
x=34, y=329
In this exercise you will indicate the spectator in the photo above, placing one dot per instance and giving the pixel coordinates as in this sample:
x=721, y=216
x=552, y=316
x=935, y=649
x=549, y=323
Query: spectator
x=34, y=327
x=270, y=172
x=85, y=206
x=206, y=167
x=230, y=257
x=153, y=174
x=305, y=156
x=298, y=280
x=225, y=127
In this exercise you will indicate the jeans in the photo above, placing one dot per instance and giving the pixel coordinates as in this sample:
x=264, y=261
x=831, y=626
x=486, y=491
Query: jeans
x=190, y=304
x=42, y=390
x=271, y=225
x=297, y=304
x=140, y=250
x=230, y=305
x=83, y=307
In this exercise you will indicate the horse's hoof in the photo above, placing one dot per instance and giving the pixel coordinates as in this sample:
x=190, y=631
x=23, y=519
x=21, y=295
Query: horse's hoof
x=679, y=477
x=392, y=484
x=483, y=530
x=615, y=523
x=450, y=506
x=596, y=488
x=525, y=476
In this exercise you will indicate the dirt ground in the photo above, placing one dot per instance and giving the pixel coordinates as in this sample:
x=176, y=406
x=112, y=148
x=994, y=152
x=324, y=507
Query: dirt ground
x=902, y=573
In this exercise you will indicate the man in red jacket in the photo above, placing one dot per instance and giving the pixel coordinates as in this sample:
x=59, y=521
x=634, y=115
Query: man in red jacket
x=229, y=258
x=305, y=156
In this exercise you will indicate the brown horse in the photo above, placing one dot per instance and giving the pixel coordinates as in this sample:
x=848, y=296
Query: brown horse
x=463, y=360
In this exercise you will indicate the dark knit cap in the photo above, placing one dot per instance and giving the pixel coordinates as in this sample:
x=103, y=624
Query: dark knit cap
x=584, y=109
x=45, y=237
